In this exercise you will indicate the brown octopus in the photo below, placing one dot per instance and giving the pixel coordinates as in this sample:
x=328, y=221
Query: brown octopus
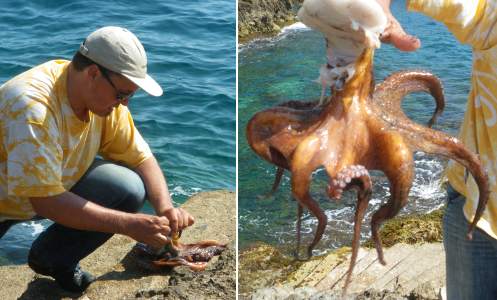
x=361, y=128
x=195, y=256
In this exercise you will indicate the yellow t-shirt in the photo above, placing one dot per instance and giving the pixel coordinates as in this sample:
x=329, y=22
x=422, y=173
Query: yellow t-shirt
x=474, y=22
x=45, y=149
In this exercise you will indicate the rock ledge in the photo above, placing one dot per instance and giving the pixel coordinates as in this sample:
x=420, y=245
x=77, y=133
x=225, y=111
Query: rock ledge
x=119, y=278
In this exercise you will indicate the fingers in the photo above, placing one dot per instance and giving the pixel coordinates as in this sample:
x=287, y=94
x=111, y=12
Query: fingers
x=162, y=232
x=191, y=220
x=394, y=34
x=173, y=220
x=179, y=219
x=164, y=226
x=180, y=213
x=155, y=230
x=187, y=219
x=157, y=241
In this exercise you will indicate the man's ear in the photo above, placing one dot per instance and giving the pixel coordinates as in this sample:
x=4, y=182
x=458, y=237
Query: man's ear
x=92, y=72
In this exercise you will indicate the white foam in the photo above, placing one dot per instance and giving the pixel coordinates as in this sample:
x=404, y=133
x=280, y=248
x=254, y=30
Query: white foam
x=36, y=227
x=299, y=26
x=285, y=31
x=180, y=191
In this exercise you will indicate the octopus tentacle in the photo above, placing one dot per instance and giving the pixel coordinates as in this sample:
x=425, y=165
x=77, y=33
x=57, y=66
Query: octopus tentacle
x=276, y=183
x=194, y=266
x=390, y=93
x=362, y=183
x=398, y=166
x=202, y=244
x=267, y=130
x=295, y=110
x=301, y=193
x=439, y=143
x=353, y=177
x=344, y=178
x=299, y=226
x=195, y=255
x=313, y=206
x=301, y=105
x=277, y=179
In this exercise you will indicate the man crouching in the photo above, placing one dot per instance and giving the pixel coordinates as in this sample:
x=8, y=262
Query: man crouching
x=54, y=120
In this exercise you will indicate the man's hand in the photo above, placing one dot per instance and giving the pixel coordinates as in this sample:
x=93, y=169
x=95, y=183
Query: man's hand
x=158, y=194
x=151, y=230
x=178, y=219
x=394, y=33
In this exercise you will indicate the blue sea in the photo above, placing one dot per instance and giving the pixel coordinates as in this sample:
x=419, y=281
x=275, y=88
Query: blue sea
x=285, y=68
x=191, y=50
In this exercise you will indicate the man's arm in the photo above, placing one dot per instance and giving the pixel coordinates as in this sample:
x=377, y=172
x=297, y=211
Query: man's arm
x=158, y=194
x=73, y=211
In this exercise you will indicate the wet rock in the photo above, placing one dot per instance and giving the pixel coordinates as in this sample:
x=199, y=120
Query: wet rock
x=264, y=17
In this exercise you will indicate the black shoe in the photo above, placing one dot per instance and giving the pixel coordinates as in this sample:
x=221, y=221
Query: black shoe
x=75, y=280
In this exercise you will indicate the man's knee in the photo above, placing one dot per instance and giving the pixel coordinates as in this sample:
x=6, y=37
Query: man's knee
x=129, y=188
x=112, y=186
x=135, y=194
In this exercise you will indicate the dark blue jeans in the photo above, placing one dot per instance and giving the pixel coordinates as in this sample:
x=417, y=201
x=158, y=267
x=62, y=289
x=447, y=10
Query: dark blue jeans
x=471, y=266
x=60, y=248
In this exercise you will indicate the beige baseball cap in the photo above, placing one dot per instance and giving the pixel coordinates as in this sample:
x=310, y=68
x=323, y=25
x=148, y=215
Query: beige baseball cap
x=120, y=51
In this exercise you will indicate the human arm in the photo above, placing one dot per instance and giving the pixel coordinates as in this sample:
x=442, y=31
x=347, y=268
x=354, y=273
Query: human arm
x=471, y=22
x=158, y=195
x=76, y=212
x=122, y=142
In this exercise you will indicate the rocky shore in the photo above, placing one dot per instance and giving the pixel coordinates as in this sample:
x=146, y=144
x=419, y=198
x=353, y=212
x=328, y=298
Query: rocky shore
x=415, y=267
x=120, y=277
x=259, y=18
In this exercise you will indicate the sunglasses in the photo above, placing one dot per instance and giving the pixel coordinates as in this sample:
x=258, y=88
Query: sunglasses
x=120, y=96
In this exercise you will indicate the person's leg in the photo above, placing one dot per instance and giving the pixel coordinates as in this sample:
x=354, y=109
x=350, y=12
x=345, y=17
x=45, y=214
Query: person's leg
x=470, y=265
x=58, y=250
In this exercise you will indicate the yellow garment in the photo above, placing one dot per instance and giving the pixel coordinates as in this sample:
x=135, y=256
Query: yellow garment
x=474, y=23
x=45, y=149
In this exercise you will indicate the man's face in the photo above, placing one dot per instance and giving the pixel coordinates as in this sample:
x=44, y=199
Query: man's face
x=110, y=89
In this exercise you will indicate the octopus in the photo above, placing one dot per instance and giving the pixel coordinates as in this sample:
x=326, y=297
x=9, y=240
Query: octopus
x=195, y=255
x=362, y=127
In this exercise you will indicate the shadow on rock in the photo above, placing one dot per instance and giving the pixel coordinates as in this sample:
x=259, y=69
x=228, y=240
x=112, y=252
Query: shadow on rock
x=135, y=266
x=43, y=288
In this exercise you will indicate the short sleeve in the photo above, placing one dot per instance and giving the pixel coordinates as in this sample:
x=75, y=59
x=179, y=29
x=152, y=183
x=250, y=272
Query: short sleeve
x=34, y=154
x=121, y=140
x=471, y=21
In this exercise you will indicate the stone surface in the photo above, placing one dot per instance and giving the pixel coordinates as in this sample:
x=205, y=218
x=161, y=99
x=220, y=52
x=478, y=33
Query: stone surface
x=119, y=277
x=412, y=272
x=408, y=267
x=263, y=266
x=415, y=267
